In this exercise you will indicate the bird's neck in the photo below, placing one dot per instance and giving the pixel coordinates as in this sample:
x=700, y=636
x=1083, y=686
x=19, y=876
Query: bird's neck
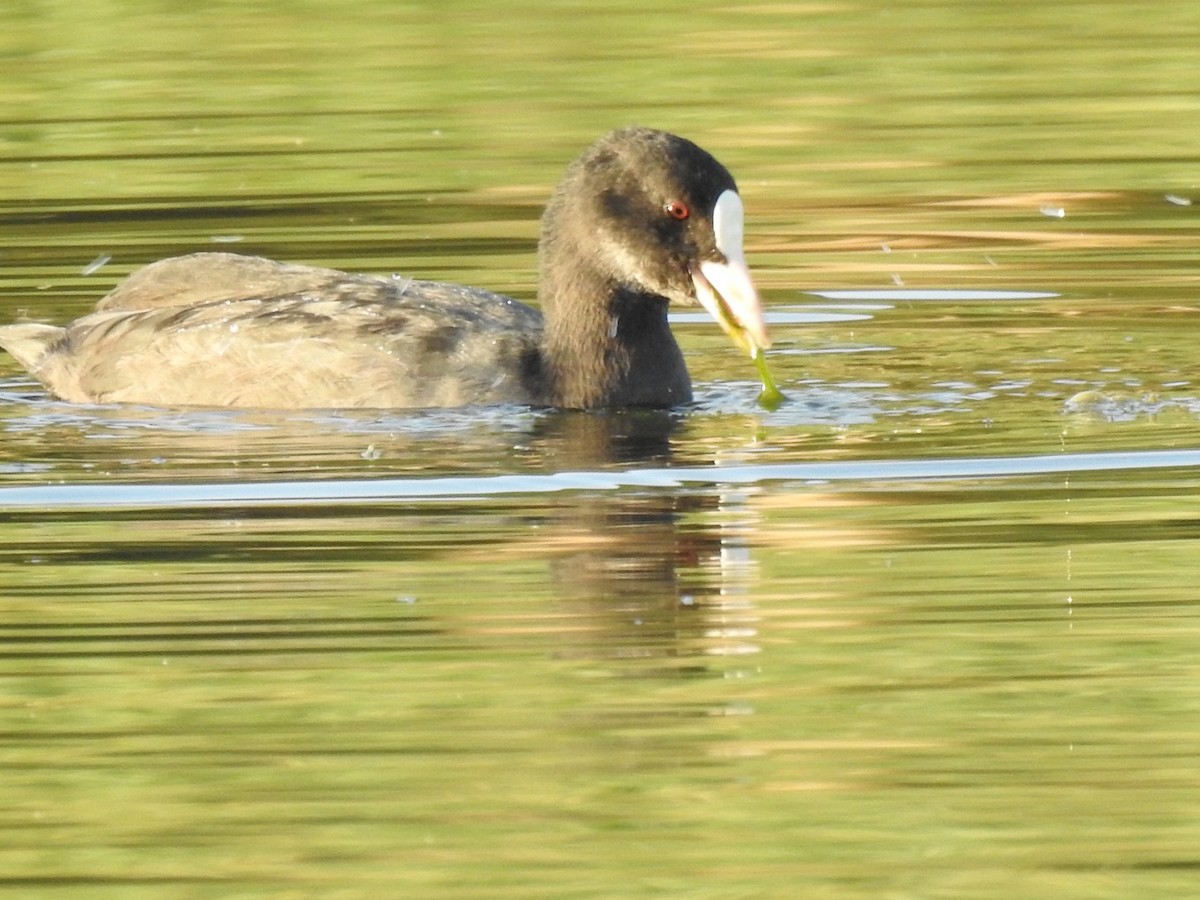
x=607, y=346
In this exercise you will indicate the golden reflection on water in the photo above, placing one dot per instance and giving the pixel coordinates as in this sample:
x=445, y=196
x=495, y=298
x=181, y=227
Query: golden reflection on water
x=944, y=688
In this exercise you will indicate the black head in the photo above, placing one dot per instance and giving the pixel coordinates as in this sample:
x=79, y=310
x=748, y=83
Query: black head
x=643, y=200
x=658, y=217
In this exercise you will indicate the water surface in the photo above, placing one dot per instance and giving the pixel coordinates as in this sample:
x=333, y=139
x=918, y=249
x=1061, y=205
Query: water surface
x=927, y=630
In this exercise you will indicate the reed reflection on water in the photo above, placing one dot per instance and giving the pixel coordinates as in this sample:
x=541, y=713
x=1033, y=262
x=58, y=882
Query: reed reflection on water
x=929, y=629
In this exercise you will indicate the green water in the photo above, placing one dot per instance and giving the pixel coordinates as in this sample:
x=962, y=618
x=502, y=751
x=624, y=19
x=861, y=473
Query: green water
x=619, y=655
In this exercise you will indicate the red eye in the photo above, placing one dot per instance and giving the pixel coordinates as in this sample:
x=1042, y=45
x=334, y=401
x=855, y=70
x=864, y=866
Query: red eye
x=677, y=209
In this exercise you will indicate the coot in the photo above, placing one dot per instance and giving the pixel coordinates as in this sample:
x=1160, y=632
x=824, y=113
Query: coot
x=640, y=220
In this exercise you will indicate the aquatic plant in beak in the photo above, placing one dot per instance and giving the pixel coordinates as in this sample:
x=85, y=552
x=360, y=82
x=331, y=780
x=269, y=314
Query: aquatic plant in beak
x=725, y=289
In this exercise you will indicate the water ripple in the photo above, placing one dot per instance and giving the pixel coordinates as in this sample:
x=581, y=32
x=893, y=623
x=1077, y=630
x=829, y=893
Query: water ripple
x=366, y=491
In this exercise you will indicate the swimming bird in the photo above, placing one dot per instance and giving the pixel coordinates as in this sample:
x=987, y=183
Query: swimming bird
x=640, y=220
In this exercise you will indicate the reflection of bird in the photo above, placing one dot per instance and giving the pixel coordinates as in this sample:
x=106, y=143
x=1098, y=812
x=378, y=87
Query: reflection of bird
x=641, y=219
